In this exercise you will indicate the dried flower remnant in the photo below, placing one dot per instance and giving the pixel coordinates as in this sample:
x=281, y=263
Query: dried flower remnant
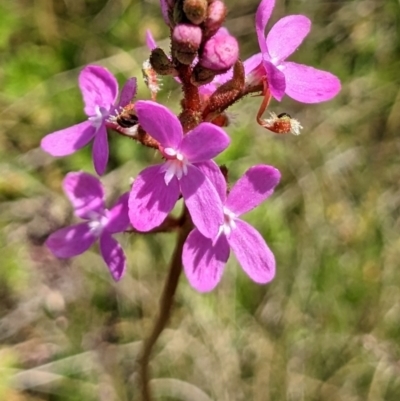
x=282, y=124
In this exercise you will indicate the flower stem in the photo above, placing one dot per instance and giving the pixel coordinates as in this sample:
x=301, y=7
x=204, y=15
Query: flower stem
x=166, y=303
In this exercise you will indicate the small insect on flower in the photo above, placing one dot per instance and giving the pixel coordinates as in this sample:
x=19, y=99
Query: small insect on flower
x=127, y=118
x=126, y=121
x=282, y=124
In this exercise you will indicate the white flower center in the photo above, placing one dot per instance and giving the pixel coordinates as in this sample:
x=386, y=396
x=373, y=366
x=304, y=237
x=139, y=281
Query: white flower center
x=229, y=223
x=175, y=166
x=100, y=114
x=97, y=222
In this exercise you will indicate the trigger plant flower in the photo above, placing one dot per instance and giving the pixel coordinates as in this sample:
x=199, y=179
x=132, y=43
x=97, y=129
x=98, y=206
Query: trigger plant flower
x=157, y=188
x=99, y=91
x=204, y=259
x=87, y=197
x=301, y=82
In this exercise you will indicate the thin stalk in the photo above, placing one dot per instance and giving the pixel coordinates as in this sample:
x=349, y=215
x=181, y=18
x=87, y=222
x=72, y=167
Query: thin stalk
x=166, y=303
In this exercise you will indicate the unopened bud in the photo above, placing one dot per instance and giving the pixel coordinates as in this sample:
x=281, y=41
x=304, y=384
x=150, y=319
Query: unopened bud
x=216, y=13
x=186, y=40
x=161, y=63
x=195, y=10
x=220, y=52
x=202, y=75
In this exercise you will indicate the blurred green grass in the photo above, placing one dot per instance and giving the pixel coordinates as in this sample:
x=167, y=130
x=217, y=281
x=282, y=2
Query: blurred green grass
x=328, y=326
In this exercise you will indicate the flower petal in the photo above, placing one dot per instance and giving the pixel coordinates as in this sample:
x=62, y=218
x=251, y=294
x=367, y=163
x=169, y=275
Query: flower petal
x=204, y=142
x=151, y=199
x=202, y=201
x=99, y=88
x=164, y=10
x=286, y=36
x=118, y=216
x=100, y=150
x=150, y=42
x=128, y=92
x=252, y=252
x=309, y=85
x=276, y=80
x=252, y=63
x=160, y=123
x=204, y=262
x=70, y=241
x=85, y=193
x=263, y=14
x=211, y=170
x=113, y=255
x=256, y=185
x=68, y=140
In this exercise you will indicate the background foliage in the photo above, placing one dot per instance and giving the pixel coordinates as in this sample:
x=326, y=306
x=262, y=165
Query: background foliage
x=327, y=328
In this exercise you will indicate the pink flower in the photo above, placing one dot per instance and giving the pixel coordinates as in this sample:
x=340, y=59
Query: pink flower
x=300, y=82
x=87, y=197
x=99, y=90
x=157, y=188
x=204, y=259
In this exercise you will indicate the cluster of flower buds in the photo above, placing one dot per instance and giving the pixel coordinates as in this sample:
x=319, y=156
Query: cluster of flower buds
x=198, y=39
x=204, y=61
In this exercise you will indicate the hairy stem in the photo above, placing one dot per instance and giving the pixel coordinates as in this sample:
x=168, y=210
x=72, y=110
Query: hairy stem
x=166, y=303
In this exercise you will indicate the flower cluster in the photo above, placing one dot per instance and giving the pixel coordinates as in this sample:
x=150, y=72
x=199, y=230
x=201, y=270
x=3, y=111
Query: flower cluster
x=204, y=60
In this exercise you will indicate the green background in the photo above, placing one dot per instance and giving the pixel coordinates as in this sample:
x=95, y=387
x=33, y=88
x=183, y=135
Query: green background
x=327, y=328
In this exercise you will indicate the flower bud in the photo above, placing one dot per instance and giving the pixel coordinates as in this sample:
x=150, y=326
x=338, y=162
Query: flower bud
x=186, y=40
x=220, y=52
x=195, y=10
x=202, y=75
x=161, y=63
x=216, y=13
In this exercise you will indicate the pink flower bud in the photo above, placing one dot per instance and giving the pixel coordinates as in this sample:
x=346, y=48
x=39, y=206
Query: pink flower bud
x=220, y=52
x=186, y=40
x=216, y=14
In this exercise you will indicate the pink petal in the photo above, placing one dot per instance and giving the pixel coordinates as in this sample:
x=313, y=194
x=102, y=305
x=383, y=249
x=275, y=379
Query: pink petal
x=164, y=10
x=309, y=85
x=276, y=80
x=252, y=252
x=252, y=63
x=211, y=170
x=204, y=142
x=203, y=202
x=286, y=36
x=151, y=199
x=204, y=262
x=128, y=92
x=85, y=193
x=68, y=140
x=150, y=42
x=256, y=185
x=100, y=150
x=160, y=123
x=118, y=216
x=113, y=255
x=70, y=241
x=99, y=88
x=263, y=14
